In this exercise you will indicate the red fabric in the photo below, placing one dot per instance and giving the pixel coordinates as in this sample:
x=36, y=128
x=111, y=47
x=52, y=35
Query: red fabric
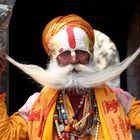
x=75, y=101
x=71, y=37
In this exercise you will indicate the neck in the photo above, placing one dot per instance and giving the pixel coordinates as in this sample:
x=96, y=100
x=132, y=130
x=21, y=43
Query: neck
x=75, y=91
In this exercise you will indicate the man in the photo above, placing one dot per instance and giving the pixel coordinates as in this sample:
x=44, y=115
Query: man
x=75, y=103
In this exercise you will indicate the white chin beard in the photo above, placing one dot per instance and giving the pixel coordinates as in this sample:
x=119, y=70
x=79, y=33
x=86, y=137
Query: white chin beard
x=61, y=77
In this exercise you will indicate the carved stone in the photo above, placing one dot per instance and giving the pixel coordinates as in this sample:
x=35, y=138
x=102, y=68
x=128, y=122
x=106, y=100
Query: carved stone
x=5, y=15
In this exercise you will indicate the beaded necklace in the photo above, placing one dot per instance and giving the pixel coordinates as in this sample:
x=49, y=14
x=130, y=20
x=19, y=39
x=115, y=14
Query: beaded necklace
x=68, y=128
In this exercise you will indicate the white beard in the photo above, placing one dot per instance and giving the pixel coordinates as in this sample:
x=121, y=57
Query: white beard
x=62, y=77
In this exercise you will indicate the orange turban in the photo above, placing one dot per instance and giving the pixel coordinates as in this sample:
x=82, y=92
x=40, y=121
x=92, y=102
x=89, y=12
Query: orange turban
x=61, y=22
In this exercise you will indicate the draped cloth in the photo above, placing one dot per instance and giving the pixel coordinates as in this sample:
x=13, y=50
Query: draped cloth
x=114, y=121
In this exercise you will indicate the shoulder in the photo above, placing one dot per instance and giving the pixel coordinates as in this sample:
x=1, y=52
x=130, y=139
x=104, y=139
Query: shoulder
x=120, y=93
x=124, y=98
x=25, y=109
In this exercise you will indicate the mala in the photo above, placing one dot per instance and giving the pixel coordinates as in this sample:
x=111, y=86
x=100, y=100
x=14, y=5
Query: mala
x=69, y=128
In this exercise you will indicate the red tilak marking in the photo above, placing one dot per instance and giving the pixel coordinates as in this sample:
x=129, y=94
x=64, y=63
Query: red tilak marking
x=71, y=37
x=61, y=50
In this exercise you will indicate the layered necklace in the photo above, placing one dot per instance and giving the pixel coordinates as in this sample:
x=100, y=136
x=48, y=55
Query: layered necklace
x=69, y=128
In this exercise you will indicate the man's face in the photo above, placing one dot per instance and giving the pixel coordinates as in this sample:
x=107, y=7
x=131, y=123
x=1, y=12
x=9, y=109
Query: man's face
x=75, y=57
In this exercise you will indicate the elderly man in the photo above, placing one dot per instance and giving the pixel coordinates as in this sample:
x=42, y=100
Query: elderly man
x=75, y=102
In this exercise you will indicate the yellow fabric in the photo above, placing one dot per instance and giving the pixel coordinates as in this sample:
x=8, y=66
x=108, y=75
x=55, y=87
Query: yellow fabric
x=47, y=134
x=115, y=119
x=104, y=127
x=111, y=129
x=41, y=105
x=49, y=125
x=15, y=127
x=134, y=114
x=11, y=128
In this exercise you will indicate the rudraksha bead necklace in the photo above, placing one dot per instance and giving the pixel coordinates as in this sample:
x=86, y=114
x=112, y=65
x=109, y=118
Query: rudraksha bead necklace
x=69, y=127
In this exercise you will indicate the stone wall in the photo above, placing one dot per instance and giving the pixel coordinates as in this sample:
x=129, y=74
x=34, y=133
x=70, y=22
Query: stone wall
x=133, y=42
x=5, y=16
x=133, y=72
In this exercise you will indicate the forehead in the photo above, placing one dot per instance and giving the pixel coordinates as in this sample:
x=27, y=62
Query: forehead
x=70, y=38
x=71, y=34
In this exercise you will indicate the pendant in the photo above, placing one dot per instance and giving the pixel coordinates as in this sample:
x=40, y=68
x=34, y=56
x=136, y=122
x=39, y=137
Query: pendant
x=72, y=137
x=92, y=132
x=61, y=127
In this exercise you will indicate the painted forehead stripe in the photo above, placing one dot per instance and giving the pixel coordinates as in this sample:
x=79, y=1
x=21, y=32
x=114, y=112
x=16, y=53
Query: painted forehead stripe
x=71, y=37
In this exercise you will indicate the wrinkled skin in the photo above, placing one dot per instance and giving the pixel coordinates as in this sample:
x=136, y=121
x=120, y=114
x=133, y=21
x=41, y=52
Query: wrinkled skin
x=80, y=57
x=3, y=61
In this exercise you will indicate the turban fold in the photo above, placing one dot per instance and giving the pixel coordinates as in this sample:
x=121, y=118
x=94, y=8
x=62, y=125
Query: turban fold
x=61, y=22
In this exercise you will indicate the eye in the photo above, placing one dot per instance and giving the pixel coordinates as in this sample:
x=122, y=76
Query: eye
x=64, y=58
x=65, y=54
x=81, y=52
x=82, y=56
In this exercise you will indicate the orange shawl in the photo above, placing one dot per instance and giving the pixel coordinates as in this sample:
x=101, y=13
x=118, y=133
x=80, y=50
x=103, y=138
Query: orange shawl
x=114, y=121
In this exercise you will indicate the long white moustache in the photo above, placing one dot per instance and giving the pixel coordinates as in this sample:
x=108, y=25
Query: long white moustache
x=96, y=78
x=35, y=72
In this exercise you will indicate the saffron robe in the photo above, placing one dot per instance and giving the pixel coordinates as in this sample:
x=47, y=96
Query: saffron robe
x=115, y=124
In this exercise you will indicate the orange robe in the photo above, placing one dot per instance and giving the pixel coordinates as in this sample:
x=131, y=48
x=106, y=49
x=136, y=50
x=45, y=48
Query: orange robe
x=114, y=121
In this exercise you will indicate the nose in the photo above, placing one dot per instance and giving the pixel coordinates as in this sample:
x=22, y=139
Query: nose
x=73, y=59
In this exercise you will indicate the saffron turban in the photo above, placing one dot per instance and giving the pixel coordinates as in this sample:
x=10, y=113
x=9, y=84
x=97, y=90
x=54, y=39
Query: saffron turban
x=69, y=32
